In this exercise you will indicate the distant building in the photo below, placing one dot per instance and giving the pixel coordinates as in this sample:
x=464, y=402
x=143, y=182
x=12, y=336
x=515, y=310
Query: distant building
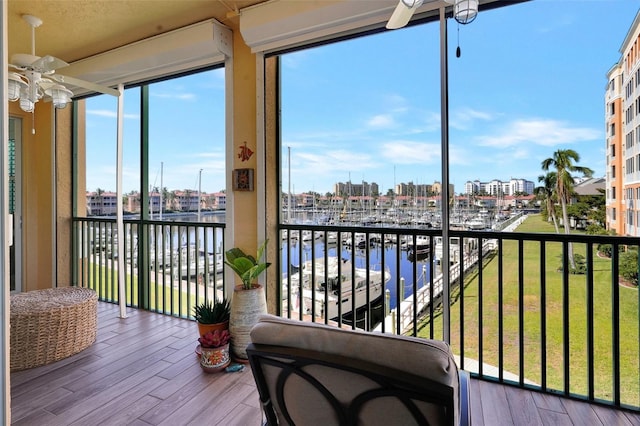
x=214, y=201
x=499, y=188
x=590, y=186
x=346, y=189
x=622, y=127
x=103, y=203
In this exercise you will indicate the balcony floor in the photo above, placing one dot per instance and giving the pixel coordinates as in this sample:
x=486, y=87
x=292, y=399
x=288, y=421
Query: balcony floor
x=143, y=371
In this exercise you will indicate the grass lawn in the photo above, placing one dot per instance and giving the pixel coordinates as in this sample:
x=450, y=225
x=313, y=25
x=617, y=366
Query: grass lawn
x=533, y=311
x=165, y=298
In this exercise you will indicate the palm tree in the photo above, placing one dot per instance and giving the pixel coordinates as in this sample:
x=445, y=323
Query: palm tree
x=563, y=163
x=547, y=191
x=99, y=193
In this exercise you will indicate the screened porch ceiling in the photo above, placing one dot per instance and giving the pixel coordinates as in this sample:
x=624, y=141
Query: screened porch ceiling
x=75, y=30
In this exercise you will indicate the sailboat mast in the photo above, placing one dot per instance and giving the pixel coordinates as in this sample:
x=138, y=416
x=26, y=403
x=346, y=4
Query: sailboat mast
x=289, y=178
x=199, y=192
x=161, y=188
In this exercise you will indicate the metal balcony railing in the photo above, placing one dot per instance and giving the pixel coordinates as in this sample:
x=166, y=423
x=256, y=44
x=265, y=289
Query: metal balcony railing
x=170, y=266
x=520, y=314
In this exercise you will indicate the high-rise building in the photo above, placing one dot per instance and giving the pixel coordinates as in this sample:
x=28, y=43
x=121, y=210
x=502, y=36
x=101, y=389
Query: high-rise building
x=498, y=188
x=622, y=126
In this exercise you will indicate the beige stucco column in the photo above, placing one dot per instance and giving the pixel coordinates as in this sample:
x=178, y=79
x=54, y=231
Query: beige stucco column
x=252, y=214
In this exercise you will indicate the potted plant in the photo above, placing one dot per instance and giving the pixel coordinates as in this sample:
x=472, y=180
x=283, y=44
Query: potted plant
x=214, y=347
x=212, y=315
x=248, y=298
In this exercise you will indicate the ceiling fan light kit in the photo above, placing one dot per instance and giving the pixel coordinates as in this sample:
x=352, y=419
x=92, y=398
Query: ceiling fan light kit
x=60, y=95
x=16, y=85
x=464, y=12
x=28, y=84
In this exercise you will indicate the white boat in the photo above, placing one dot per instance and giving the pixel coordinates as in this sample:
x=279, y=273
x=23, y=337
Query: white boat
x=200, y=268
x=190, y=261
x=323, y=293
x=332, y=237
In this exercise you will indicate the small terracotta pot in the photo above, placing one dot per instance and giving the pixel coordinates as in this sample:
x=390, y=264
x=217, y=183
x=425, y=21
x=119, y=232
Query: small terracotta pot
x=205, y=328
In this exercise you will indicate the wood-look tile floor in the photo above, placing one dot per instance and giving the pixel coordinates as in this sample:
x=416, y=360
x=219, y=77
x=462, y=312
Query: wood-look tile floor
x=143, y=370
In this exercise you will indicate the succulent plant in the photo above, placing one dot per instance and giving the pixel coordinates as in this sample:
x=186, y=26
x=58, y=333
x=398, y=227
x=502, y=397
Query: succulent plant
x=212, y=311
x=214, y=339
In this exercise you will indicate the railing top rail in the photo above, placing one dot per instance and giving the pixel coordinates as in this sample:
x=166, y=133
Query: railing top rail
x=151, y=222
x=552, y=237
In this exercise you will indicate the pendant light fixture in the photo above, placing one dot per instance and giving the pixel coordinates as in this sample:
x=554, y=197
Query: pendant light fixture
x=464, y=11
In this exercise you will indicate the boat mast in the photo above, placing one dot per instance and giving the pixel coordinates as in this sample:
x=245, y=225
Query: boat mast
x=289, y=178
x=161, y=188
x=199, y=191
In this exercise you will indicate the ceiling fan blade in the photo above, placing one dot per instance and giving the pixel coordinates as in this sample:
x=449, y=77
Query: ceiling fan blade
x=48, y=63
x=84, y=84
x=45, y=83
x=403, y=13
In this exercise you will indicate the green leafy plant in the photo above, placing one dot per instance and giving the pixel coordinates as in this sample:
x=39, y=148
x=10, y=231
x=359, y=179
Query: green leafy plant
x=247, y=267
x=214, y=339
x=212, y=311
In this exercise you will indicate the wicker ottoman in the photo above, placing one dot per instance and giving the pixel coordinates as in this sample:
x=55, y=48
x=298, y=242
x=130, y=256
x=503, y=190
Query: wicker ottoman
x=52, y=324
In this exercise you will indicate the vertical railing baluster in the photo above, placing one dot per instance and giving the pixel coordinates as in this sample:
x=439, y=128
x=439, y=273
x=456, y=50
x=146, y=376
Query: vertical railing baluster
x=461, y=299
x=480, y=308
x=432, y=267
x=521, y=347
x=543, y=315
x=414, y=288
x=399, y=296
x=500, y=314
x=565, y=317
x=590, y=324
x=615, y=322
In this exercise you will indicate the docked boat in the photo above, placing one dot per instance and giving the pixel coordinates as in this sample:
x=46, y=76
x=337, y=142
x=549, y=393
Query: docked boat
x=419, y=252
x=203, y=266
x=334, y=293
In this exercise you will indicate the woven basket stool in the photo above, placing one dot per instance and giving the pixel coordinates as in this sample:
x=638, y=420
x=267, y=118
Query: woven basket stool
x=52, y=324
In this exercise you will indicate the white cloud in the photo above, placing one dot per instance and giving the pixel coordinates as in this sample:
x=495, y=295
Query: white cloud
x=381, y=121
x=410, y=152
x=463, y=118
x=179, y=96
x=544, y=132
x=109, y=113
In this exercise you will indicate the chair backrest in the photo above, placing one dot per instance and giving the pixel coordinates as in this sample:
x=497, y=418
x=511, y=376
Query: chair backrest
x=309, y=373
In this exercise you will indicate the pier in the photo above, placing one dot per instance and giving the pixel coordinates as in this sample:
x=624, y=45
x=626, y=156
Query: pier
x=404, y=312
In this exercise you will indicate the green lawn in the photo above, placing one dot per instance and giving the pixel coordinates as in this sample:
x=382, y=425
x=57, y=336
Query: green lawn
x=165, y=299
x=629, y=324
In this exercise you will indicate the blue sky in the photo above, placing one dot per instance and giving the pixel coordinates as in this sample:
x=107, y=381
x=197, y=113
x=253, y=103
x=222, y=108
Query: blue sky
x=530, y=81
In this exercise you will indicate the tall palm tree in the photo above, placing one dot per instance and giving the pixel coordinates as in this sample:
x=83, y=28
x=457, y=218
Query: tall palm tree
x=563, y=162
x=547, y=191
x=99, y=192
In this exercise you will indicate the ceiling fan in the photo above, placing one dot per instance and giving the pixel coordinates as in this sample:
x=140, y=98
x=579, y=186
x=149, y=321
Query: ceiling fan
x=464, y=11
x=35, y=77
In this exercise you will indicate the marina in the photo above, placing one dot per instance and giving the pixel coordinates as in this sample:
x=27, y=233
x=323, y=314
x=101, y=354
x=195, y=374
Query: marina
x=407, y=256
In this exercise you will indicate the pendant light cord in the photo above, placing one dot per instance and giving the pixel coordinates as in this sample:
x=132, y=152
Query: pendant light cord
x=458, y=52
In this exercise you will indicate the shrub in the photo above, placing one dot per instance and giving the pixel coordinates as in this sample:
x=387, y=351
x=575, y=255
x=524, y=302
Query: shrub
x=629, y=266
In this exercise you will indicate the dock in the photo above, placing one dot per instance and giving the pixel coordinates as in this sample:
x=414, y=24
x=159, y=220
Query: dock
x=423, y=296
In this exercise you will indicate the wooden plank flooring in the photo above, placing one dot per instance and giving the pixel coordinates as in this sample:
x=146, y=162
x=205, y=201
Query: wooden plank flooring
x=142, y=370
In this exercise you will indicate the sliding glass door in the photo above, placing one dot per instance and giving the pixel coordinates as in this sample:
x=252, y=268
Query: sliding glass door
x=15, y=202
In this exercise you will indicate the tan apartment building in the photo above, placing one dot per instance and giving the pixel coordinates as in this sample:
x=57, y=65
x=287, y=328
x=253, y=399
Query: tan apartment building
x=622, y=125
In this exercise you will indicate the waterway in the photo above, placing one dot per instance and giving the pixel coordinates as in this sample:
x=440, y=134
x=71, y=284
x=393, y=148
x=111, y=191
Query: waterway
x=402, y=274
